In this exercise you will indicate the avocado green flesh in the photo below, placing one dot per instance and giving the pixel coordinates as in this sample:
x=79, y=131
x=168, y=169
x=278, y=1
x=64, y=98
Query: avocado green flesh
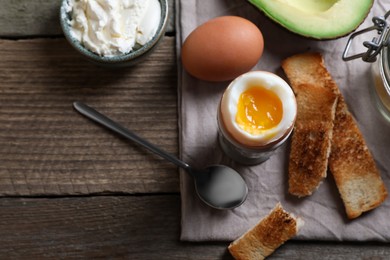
x=321, y=19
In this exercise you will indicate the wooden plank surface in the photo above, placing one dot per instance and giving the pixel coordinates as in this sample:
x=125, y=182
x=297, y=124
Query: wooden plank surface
x=129, y=227
x=27, y=18
x=46, y=148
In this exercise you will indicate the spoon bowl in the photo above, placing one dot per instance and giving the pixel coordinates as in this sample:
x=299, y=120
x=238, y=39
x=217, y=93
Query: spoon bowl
x=218, y=186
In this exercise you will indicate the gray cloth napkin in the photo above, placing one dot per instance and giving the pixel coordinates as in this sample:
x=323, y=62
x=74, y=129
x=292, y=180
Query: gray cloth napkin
x=323, y=212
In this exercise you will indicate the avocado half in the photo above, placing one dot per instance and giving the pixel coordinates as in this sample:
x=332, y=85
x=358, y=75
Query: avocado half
x=321, y=19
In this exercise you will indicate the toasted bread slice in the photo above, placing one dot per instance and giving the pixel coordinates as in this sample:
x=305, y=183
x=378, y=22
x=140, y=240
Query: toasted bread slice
x=350, y=162
x=311, y=140
x=353, y=168
x=266, y=236
x=308, y=68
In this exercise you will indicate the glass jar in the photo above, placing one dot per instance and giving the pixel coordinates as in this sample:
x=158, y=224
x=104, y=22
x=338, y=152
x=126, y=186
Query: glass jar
x=381, y=76
x=241, y=142
x=379, y=54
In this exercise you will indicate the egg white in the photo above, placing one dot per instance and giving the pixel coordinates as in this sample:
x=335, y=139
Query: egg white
x=270, y=82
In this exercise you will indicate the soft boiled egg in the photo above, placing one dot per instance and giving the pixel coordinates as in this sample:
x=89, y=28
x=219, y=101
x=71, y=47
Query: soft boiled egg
x=258, y=108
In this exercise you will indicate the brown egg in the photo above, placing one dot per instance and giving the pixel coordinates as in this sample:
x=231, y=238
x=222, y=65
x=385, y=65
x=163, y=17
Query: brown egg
x=222, y=48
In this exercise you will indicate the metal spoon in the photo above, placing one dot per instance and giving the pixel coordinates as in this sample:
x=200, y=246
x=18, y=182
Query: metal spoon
x=218, y=186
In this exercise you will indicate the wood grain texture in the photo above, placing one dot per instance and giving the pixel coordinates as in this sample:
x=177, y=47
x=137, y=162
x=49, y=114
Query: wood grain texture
x=26, y=18
x=46, y=148
x=129, y=227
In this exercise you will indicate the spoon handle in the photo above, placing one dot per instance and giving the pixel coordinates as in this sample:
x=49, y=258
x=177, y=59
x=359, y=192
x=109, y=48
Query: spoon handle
x=110, y=124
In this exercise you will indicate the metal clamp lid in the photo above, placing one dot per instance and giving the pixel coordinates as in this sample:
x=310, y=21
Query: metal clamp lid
x=375, y=46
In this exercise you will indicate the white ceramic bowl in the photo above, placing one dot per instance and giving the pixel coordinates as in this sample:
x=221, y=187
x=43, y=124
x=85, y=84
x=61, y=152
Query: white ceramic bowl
x=128, y=59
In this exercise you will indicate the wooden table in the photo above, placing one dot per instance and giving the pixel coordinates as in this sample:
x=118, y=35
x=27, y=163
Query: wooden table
x=72, y=189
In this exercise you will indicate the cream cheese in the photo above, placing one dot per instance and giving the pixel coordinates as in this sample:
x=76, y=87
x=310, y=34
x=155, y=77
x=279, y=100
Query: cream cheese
x=113, y=27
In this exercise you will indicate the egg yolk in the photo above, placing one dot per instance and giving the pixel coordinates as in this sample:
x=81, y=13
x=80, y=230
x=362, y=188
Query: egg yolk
x=258, y=109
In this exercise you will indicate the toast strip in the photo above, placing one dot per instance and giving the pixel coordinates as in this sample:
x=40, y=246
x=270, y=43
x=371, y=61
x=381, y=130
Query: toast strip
x=353, y=168
x=311, y=139
x=266, y=236
x=351, y=163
